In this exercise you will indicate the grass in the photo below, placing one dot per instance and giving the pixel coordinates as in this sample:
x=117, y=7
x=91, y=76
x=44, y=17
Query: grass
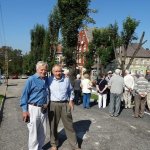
x=94, y=96
x=1, y=98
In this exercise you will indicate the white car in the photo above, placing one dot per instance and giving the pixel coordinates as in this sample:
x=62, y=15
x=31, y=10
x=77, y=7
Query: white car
x=24, y=76
x=3, y=77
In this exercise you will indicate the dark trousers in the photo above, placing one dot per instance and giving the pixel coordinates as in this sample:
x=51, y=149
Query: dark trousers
x=77, y=96
x=61, y=110
x=139, y=105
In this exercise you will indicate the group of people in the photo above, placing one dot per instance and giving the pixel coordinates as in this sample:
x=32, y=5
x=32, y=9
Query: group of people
x=48, y=98
x=118, y=89
x=52, y=98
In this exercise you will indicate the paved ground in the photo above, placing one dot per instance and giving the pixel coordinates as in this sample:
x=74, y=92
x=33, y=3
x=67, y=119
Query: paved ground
x=95, y=129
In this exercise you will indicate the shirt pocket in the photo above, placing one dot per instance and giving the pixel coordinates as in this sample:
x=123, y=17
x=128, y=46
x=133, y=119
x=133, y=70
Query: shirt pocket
x=37, y=89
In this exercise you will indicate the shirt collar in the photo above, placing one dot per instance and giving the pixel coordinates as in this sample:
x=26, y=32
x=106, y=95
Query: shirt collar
x=38, y=76
x=62, y=78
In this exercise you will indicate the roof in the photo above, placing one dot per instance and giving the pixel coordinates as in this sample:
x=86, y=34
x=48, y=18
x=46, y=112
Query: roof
x=89, y=34
x=142, y=53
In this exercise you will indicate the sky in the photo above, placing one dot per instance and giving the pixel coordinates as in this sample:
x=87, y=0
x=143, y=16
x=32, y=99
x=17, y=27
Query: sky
x=18, y=18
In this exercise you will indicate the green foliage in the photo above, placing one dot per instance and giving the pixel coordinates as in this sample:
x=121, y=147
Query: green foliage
x=89, y=57
x=54, y=27
x=15, y=60
x=1, y=98
x=37, y=42
x=94, y=96
x=101, y=46
x=73, y=14
x=128, y=33
x=46, y=49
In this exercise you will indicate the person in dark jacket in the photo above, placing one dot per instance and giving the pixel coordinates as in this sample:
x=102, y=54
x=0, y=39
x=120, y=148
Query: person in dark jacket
x=101, y=87
x=77, y=89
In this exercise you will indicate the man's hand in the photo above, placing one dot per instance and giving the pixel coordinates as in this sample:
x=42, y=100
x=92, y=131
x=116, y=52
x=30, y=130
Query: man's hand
x=26, y=116
x=143, y=94
x=71, y=104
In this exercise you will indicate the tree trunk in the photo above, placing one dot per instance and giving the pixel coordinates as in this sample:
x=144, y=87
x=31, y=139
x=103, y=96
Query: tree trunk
x=136, y=51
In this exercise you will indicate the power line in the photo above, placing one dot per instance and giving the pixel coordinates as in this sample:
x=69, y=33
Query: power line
x=2, y=35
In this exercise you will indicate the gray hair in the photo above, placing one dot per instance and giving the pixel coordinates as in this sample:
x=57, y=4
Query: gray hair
x=78, y=76
x=66, y=71
x=41, y=63
x=117, y=71
x=86, y=76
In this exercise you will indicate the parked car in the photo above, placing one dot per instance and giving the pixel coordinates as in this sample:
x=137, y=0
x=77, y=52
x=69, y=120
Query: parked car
x=15, y=76
x=3, y=77
x=24, y=76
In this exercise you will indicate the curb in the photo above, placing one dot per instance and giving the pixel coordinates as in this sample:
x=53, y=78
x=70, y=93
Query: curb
x=2, y=104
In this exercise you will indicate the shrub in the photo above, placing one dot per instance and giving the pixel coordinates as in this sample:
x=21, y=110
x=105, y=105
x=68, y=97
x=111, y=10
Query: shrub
x=1, y=98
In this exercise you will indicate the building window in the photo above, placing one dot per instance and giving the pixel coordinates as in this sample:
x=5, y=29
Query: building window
x=79, y=60
x=136, y=61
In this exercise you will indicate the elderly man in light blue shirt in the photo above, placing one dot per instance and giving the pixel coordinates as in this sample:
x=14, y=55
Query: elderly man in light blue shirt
x=61, y=97
x=34, y=104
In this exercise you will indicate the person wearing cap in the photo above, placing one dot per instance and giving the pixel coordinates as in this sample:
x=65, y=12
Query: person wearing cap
x=109, y=75
x=142, y=87
x=116, y=85
x=77, y=89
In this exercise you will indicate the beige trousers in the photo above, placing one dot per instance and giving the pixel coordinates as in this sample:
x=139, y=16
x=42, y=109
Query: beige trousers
x=148, y=100
x=61, y=111
x=127, y=98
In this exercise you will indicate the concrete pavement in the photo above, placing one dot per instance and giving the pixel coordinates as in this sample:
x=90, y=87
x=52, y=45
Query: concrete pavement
x=95, y=129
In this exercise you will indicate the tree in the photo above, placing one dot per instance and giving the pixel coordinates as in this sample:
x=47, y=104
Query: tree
x=101, y=48
x=54, y=28
x=70, y=24
x=89, y=59
x=12, y=63
x=127, y=36
x=37, y=40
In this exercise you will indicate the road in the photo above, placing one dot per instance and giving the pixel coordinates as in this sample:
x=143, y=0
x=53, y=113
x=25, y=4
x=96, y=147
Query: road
x=95, y=129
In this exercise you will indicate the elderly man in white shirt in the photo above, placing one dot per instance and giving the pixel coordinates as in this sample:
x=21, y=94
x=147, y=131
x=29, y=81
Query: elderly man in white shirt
x=129, y=85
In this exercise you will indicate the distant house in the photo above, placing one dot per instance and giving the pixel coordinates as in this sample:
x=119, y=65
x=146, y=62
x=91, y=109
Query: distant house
x=140, y=62
x=85, y=36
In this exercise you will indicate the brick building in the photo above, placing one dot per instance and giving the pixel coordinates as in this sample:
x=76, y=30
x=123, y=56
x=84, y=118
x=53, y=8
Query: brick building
x=85, y=36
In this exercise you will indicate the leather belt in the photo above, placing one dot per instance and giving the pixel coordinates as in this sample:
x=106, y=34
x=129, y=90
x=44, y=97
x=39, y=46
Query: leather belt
x=65, y=101
x=38, y=105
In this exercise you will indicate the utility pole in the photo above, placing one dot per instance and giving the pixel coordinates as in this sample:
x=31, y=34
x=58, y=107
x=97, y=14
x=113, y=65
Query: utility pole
x=6, y=65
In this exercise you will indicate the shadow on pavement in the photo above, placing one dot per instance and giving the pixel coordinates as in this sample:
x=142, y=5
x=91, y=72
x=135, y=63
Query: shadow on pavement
x=93, y=103
x=11, y=97
x=12, y=84
x=1, y=110
x=81, y=127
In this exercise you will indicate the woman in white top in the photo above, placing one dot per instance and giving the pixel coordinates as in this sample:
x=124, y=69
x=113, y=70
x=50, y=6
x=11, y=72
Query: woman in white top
x=86, y=86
